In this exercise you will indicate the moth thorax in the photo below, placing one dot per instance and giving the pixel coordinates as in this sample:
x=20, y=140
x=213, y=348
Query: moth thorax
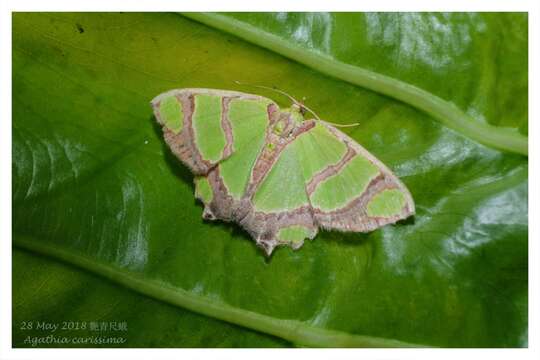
x=297, y=112
x=284, y=126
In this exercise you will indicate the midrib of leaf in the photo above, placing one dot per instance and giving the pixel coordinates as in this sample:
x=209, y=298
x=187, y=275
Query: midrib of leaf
x=506, y=139
x=300, y=333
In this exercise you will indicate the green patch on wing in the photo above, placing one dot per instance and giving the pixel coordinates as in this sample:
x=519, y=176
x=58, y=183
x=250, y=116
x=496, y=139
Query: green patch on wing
x=171, y=113
x=248, y=119
x=318, y=148
x=284, y=187
x=338, y=190
x=294, y=235
x=387, y=203
x=209, y=135
x=203, y=190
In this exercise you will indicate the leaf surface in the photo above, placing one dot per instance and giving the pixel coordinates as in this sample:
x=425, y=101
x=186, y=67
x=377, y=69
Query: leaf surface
x=392, y=53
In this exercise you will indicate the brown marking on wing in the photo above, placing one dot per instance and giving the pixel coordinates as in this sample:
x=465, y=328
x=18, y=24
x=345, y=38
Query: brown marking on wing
x=264, y=227
x=273, y=113
x=330, y=170
x=226, y=126
x=222, y=205
x=353, y=216
x=183, y=144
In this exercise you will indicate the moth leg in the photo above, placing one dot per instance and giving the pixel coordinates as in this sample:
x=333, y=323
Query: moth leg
x=208, y=214
x=267, y=245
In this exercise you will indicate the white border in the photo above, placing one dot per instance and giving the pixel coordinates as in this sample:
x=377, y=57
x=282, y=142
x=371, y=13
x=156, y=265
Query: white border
x=274, y=5
x=6, y=6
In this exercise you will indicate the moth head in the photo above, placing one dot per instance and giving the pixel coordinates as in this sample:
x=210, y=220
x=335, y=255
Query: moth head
x=297, y=112
x=299, y=108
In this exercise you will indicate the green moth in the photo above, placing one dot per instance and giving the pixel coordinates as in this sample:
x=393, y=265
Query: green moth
x=279, y=176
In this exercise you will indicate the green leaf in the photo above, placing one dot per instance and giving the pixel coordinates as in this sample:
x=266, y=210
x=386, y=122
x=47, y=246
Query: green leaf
x=53, y=292
x=95, y=186
x=391, y=53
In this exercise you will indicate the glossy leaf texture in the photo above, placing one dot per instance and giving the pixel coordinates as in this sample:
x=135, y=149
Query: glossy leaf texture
x=102, y=311
x=474, y=80
x=95, y=186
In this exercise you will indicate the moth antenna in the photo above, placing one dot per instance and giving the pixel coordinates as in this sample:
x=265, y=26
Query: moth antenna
x=342, y=125
x=296, y=102
x=272, y=89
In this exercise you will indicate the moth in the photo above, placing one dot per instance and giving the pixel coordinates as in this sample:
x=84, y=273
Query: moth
x=279, y=176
